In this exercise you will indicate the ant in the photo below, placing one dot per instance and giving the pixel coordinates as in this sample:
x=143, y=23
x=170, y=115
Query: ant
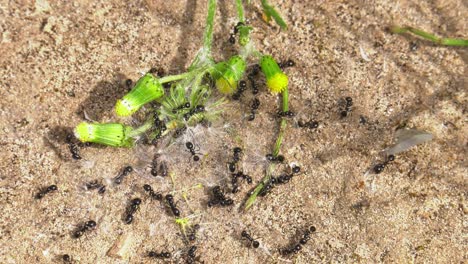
x=172, y=205
x=96, y=185
x=254, y=107
x=236, y=157
x=349, y=102
x=381, y=166
x=150, y=191
x=183, y=106
x=287, y=64
x=89, y=225
x=162, y=255
x=75, y=151
x=162, y=168
x=191, y=254
x=251, y=77
x=252, y=241
x=66, y=258
x=305, y=238
x=272, y=158
x=134, y=205
x=45, y=191
x=191, y=149
x=158, y=71
x=309, y=124
x=235, y=176
x=285, y=114
x=127, y=170
x=196, y=110
x=193, y=234
x=219, y=198
x=232, y=36
x=241, y=90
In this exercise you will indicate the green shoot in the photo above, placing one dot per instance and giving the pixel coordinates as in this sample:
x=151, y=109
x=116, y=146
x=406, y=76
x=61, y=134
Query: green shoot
x=430, y=37
x=271, y=168
x=269, y=12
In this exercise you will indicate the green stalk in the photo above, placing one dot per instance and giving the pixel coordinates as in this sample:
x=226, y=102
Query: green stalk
x=140, y=130
x=269, y=12
x=204, y=55
x=240, y=11
x=172, y=78
x=430, y=37
x=271, y=168
x=208, y=36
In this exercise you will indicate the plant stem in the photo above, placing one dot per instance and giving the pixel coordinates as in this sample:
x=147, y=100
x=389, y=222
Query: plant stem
x=208, y=36
x=140, y=130
x=172, y=78
x=285, y=105
x=204, y=55
x=269, y=12
x=430, y=37
x=240, y=11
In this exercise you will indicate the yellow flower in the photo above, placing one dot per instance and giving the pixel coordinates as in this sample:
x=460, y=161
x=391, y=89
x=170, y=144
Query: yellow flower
x=276, y=80
x=227, y=74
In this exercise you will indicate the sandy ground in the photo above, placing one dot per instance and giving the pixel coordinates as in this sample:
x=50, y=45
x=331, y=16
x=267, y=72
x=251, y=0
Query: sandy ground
x=59, y=59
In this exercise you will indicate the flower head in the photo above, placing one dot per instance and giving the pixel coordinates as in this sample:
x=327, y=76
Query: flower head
x=227, y=74
x=112, y=134
x=277, y=81
x=146, y=90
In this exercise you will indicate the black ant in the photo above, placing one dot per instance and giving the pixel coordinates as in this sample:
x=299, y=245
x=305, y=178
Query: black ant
x=196, y=110
x=89, y=225
x=162, y=171
x=305, y=238
x=240, y=90
x=96, y=185
x=150, y=191
x=287, y=64
x=127, y=170
x=285, y=114
x=191, y=254
x=236, y=157
x=251, y=77
x=75, y=151
x=232, y=36
x=309, y=124
x=129, y=84
x=45, y=191
x=183, y=106
x=232, y=39
x=381, y=166
x=158, y=71
x=193, y=234
x=219, y=198
x=235, y=176
x=162, y=255
x=191, y=148
x=254, y=107
x=252, y=241
x=172, y=205
x=273, y=158
x=349, y=102
x=134, y=205
x=66, y=258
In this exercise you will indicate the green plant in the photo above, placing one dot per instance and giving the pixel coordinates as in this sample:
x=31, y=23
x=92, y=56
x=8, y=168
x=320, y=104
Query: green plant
x=189, y=98
x=430, y=37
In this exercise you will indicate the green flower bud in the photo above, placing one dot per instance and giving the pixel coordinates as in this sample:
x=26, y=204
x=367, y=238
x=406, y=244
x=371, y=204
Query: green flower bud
x=108, y=134
x=277, y=81
x=227, y=74
x=146, y=90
